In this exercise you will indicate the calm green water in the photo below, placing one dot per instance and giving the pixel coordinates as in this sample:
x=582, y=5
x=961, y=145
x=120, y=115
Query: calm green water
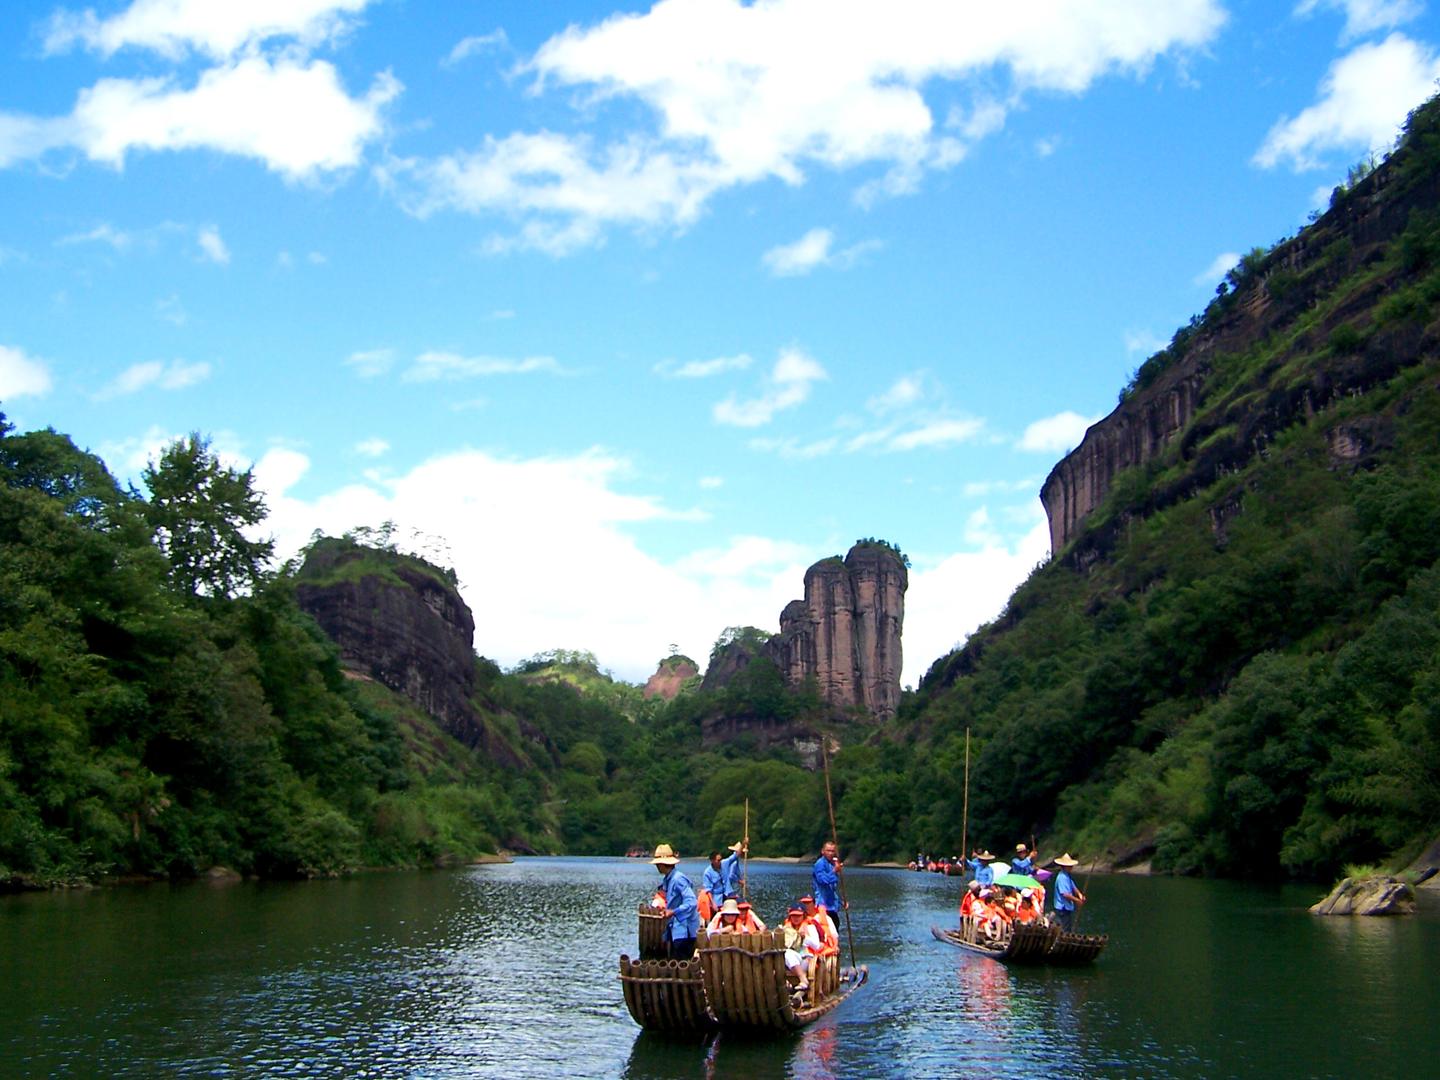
x=510, y=971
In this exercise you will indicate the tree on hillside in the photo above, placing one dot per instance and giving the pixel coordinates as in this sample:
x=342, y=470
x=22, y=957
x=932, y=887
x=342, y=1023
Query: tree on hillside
x=199, y=510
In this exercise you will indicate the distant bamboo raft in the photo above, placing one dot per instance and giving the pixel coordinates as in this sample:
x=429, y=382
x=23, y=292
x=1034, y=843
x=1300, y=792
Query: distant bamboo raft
x=1027, y=943
x=735, y=982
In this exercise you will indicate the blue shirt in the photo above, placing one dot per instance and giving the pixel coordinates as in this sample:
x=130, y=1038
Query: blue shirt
x=714, y=883
x=825, y=883
x=984, y=872
x=1023, y=866
x=1064, y=883
x=680, y=899
x=730, y=867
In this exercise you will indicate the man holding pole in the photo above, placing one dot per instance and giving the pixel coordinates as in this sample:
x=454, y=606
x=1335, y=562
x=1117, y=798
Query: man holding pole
x=825, y=877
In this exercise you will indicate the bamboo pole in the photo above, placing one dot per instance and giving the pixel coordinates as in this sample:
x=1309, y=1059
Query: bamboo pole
x=745, y=858
x=835, y=839
x=965, y=812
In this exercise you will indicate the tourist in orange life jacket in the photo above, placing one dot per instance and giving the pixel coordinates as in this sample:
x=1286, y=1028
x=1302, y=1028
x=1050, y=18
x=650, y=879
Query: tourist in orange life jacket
x=829, y=939
x=727, y=919
x=967, y=900
x=802, y=946
x=750, y=923
x=1027, y=912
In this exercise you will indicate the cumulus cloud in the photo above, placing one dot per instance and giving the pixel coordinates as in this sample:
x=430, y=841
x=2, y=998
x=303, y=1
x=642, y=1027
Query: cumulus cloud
x=740, y=93
x=788, y=385
x=372, y=448
x=212, y=246
x=702, y=369
x=174, y=28
x=952, y=596
x=487, y=509
x=1364, y=98
x=22, y=375
x=163, y=375
x=1366, y=16
x=264, y=97
x=938, y=433
x=448, y=366
x=1055, y=434
x=811, y=251
x=904, y=392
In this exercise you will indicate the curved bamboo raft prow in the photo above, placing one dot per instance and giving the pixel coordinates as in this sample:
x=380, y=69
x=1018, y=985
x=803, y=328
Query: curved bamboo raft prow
x=652, y=933
x=1027, y=944
x=747, y=987
x=666, y=995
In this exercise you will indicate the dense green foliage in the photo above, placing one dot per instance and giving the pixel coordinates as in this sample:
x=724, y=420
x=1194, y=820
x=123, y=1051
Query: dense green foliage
x=1234, y=668
x=165, y=706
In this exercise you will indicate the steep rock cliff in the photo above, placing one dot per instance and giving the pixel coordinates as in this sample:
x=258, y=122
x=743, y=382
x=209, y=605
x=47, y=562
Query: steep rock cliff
x=1186, y=409
x=672, y=674
x=400, y=621
x=844, y=636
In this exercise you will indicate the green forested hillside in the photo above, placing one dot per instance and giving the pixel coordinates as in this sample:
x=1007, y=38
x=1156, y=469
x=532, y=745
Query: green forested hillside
x=1234, y=667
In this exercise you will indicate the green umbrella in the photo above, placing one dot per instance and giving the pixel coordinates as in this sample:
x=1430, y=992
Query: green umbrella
x=1017, y=881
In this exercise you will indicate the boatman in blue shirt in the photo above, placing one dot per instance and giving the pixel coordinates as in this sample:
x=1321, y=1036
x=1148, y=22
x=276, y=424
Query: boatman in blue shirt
x=1068, y=896
x=722, y=877
x=1024, y=861
x=681, y=912
x=980, y=862
x=825, y=877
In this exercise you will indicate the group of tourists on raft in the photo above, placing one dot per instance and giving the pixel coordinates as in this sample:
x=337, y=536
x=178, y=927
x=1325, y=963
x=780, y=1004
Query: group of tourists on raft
x=810, y=933
x=994, y=905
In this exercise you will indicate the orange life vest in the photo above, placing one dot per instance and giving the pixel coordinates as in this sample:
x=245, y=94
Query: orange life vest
x=829, y=942
x=746, y=923
x=706, y=904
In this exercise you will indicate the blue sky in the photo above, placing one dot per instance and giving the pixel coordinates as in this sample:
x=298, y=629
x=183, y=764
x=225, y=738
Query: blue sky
x=632, y=312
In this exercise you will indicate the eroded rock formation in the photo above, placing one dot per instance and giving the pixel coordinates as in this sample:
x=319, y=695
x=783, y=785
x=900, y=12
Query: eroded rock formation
x=1216, y=429
x=1378, y=895
x=401, y=622
x=845, y=634
x=673, y=673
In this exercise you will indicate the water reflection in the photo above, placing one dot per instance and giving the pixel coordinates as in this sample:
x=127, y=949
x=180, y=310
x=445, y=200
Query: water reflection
x=511, y=971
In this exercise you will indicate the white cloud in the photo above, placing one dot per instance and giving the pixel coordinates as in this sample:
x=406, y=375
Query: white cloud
x=487, y=509
x=174, y=28
x=316, y=258
x=938, y=433
x=951, y=597
x=739, y=93
x=370, y=363
x=810, y=251
x=702, y=369
x=710, y=483
x=1055, y=434
x=1219, y=266
x=787, y=386
x=1364, y=98
x=22, y=375
x=792, y=449
x=128, y=457
x=474, y=45
x=433, y=366
x=174, y=375
x=373, y=447
x=104, y=233
x=1046, y=147
x=171, y=310
x=1366, y=16
x=904, y=392
x=212, y=245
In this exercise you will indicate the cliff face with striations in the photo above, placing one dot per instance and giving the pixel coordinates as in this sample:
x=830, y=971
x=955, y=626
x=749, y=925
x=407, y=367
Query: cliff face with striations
x=845, y=634
x=1275, y=296
x=402, y=623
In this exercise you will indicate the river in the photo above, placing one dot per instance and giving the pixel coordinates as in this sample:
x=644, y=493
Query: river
x=510, y=970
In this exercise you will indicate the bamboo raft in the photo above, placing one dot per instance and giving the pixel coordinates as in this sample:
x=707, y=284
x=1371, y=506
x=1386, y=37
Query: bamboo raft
x=1027, y=944
x=735, y=982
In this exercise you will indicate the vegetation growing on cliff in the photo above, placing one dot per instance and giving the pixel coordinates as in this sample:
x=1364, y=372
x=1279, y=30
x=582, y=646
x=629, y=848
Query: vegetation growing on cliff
x=1233, y=670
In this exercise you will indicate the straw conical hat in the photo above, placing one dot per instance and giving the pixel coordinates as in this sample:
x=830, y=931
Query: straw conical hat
x=665, y=856
x=1066, y=860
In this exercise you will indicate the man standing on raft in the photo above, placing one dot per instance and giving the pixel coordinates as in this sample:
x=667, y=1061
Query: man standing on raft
x=681, y=912
x=825, y=878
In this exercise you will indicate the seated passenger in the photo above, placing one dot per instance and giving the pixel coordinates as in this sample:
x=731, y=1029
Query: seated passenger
x=726, y=920
x=802, y=946
x=824, y=924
